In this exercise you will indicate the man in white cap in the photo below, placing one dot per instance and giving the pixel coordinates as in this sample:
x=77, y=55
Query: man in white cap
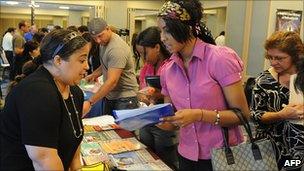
x=117, y=67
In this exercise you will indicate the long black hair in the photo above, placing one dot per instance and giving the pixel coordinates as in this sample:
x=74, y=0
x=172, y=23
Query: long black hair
x=181, y=30
x=150, y=37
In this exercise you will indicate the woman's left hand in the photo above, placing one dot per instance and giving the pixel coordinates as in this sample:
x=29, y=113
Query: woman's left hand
x=184, y=117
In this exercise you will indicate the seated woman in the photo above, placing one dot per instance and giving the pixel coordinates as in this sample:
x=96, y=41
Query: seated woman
x=28, y=68
x=31, y=51
x=150, y=47
x=270, y=108
x=41, y=127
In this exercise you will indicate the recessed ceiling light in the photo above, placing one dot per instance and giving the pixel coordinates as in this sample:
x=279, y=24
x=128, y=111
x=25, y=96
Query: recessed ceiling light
x=64, y=7
x=12, y=2
x=36, y=6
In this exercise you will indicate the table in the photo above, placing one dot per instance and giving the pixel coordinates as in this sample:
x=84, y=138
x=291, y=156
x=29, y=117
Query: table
x=141, y=159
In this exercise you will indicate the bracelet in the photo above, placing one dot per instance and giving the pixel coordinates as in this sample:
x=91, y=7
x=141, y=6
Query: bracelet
x=217, y=119
x=202, y=115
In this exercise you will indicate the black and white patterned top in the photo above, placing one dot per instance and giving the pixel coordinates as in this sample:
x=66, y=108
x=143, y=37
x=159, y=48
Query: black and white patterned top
x=288, y=138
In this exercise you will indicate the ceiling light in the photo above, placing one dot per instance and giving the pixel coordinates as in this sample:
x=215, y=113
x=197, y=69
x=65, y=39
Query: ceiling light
x=64, y=7
x=36, y=6
x=12, y=2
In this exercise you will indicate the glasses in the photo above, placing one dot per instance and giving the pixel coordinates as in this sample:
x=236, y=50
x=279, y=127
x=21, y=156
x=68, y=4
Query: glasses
x=66, y=40
x=276, y=58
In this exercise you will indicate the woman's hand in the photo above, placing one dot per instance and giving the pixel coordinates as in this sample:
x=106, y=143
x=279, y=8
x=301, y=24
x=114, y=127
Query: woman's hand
x=156, y=96
x=292, y=111
x=91, y=78
x=184, y=117
x=143, y=98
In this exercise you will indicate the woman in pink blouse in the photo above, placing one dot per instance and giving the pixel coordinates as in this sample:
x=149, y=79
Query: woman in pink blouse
x=156, y=56
x=202, y=81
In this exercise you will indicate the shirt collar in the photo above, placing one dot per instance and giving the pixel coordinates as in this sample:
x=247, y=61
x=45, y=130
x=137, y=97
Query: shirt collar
x=198, y=51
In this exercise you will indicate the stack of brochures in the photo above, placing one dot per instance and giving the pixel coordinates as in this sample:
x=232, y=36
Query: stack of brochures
x=157, y=165
x=133, y=119
x=116, y=146
x=92, y=153
x=133, y=157
x=104, y=145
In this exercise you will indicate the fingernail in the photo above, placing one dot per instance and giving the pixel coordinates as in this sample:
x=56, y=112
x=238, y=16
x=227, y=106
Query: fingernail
x=161, y=119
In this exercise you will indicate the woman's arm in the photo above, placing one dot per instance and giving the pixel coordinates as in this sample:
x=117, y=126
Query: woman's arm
x=76, y=164
x=261, y=113
x=44, y=158
x=235, y=98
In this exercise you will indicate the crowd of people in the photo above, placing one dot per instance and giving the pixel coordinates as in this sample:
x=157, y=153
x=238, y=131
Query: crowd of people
x=41, y=124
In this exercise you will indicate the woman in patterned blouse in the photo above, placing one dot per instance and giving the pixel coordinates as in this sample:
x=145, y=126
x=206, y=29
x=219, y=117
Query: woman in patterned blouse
x=270, y=108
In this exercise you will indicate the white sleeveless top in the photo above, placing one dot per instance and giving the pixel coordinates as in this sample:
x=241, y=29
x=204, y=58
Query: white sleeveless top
x=295, y=97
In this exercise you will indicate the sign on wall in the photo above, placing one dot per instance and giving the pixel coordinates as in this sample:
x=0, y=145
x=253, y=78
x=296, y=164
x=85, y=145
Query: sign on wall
x=288, y=20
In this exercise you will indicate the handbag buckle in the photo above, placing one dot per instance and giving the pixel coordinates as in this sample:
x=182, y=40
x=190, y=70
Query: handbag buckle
x=229, y=156
x=256, y=151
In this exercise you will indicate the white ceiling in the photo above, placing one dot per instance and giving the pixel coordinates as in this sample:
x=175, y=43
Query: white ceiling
x=44, y=5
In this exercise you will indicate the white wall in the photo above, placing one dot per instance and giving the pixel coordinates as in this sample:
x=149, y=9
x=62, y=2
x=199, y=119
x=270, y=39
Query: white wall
x=150, y=21
x=211, y=23
x=74, y=18
x=221, y=20
x=58, y=21
x=214, y=4
x=145, y=4
x=116, y=13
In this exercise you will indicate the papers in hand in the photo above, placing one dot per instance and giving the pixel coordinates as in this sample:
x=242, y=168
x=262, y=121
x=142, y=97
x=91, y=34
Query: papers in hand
x=133, y=119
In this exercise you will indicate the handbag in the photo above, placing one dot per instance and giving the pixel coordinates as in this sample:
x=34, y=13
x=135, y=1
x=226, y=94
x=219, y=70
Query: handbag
x=252, y=155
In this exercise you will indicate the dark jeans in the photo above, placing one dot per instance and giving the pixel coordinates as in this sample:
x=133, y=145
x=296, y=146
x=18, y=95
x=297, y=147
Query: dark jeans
x=200, y=165
x=161, y=142
x=118, y=104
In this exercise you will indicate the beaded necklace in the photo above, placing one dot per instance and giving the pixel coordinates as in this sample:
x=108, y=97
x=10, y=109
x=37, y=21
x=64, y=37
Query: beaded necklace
x=70, y=114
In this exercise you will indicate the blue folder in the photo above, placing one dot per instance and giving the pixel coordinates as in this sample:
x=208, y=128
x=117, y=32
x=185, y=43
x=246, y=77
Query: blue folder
x=133, y=119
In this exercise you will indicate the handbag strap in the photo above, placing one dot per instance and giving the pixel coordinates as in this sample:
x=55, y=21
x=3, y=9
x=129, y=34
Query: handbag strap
x=228, y=151
x=255, y=148
x=244, y=122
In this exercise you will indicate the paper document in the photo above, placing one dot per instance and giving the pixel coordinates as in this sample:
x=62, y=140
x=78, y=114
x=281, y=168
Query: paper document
x=133, y=119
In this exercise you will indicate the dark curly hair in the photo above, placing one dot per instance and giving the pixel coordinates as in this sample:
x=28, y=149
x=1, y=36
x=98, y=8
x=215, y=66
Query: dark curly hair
x=181, y=30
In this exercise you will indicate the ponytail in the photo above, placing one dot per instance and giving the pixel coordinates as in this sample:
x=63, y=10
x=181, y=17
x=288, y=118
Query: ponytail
x=201, y=31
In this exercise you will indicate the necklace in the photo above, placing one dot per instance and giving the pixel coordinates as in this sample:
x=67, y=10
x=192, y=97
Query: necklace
x=70, y=114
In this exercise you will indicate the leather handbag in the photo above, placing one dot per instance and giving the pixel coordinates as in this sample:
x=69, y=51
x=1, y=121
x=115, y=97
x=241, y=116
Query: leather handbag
x=252, y=155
